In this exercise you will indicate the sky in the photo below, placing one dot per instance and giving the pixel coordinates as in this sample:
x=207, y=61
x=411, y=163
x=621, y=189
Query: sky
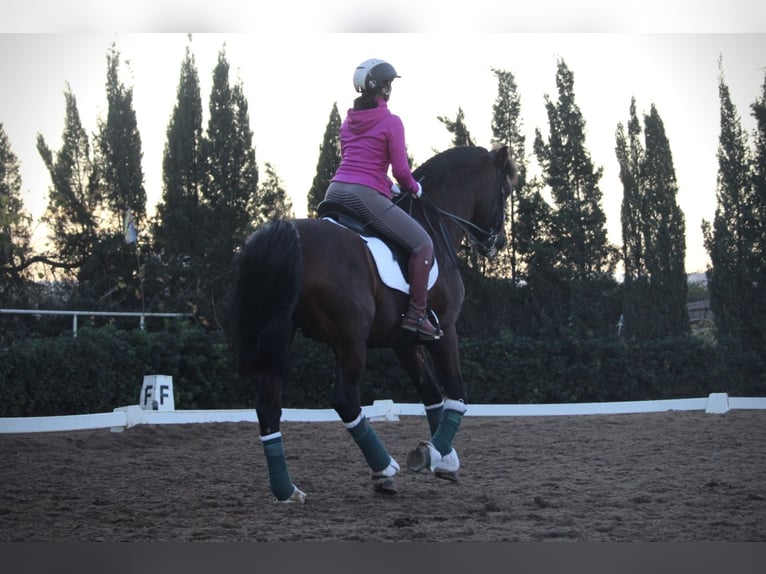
x=292, y=77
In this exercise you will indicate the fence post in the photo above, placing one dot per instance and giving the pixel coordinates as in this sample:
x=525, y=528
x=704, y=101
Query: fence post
x=717, y=403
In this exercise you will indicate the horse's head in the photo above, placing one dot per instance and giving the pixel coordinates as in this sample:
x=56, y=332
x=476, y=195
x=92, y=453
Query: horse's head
x=470, y=186
x=489, y=237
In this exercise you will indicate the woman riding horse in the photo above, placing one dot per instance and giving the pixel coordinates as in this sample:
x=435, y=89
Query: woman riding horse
x=371, y=140
x=286, y=282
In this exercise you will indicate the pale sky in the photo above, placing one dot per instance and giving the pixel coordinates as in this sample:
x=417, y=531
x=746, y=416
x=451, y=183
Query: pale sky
x=291, y=80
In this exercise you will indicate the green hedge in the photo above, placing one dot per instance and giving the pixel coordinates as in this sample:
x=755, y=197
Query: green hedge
x=103, y=368
x=521, y=370
x=512, y=369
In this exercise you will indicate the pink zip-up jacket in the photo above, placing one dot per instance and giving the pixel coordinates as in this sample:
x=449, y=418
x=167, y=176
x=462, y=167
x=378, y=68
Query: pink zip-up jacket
x=371, y=141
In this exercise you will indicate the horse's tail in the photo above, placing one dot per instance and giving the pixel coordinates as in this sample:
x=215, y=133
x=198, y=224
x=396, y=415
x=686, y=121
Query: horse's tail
x=265, y=297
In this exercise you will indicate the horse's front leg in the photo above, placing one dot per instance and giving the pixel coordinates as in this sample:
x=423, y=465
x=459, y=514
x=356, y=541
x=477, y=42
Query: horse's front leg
x=438, y=454
x=269, y=409
x=413, y=360
x=350, y=363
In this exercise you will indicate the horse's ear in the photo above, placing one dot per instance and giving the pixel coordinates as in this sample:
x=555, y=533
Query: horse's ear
x=501, y=157
x=504, y=162
x=513, y=171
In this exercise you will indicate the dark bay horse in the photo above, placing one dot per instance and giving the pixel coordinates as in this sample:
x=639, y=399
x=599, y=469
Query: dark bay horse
x=318, y=276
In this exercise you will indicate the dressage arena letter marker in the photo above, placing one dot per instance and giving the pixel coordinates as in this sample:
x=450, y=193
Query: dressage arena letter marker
x=157, y=393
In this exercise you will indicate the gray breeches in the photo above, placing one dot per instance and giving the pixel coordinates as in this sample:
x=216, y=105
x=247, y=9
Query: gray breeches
x=380, y=213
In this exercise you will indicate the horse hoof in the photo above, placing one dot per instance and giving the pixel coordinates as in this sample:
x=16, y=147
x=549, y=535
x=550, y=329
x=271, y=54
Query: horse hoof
x=298, y=496
x=419, y=458
x=446, y=475
x=384, y=485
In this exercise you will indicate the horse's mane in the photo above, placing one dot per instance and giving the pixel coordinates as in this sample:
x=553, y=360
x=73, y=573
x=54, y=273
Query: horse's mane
x=438, y=166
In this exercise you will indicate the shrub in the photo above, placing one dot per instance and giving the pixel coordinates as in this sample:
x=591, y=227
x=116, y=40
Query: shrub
x=103, y=368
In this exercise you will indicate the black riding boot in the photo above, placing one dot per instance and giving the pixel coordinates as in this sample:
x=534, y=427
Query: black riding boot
x=416, y=317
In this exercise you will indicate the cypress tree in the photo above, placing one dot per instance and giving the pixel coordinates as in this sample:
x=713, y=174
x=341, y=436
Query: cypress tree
x=75, y=200
x=460, y=134
x=274, y=201
x=119, y=144
x=247, y=200
x=507, y=130
x=228, y=192
x=665, y=233
x=584, y=260
x=631, y=156
x=544, y=290
x=758, y=310
x=733, y=241
x=119, y=158
x=176, y=231
x=15, y=232
x=569, y=172
x=653, y=229
x=328, y=162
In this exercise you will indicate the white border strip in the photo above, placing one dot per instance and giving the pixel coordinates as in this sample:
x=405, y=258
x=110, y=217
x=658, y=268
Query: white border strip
x=61, y=423
x=125, y=417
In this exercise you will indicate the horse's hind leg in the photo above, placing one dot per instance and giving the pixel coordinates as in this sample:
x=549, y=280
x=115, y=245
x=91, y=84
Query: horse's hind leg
x=347, y=403
x=269, y=409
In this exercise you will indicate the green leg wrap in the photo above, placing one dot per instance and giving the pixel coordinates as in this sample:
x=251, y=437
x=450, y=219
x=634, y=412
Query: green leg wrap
x=434, y=416
x=279, y=478
x=369, y=443
x=445, y=434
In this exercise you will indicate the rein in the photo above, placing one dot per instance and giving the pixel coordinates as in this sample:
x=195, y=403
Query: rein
x=468, y=227
x=451, y=251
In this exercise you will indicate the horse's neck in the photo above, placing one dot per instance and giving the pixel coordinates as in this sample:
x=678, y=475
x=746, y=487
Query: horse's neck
x=444, y=230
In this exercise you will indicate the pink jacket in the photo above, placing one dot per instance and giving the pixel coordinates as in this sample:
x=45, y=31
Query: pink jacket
x=371, y=141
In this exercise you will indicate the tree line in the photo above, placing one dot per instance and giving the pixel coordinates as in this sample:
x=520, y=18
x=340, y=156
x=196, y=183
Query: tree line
x=556, y=278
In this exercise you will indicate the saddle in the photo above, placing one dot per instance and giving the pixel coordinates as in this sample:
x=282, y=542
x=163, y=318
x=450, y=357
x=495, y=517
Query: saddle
x=390, y=257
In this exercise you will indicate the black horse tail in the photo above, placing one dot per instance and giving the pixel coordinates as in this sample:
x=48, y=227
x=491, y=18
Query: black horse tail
x=265, y=297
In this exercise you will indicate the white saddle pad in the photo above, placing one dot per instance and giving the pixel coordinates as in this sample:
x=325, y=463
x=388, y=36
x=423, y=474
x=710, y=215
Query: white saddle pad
x=388, y=269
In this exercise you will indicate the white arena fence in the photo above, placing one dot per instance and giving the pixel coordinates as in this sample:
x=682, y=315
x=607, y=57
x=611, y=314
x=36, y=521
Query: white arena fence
x=75, y=314
x=386, y=410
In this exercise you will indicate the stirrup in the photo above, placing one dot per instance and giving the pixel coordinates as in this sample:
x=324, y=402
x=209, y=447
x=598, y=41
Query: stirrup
x=412, y=323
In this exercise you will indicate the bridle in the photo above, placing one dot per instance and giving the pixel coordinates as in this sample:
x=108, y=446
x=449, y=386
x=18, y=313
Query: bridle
x=484, y=240
x=488, y=245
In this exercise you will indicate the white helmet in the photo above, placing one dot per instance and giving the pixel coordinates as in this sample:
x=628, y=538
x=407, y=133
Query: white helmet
x=371, y=74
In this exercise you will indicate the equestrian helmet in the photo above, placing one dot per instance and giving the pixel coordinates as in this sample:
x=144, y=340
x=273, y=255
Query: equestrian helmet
x=371, y=74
